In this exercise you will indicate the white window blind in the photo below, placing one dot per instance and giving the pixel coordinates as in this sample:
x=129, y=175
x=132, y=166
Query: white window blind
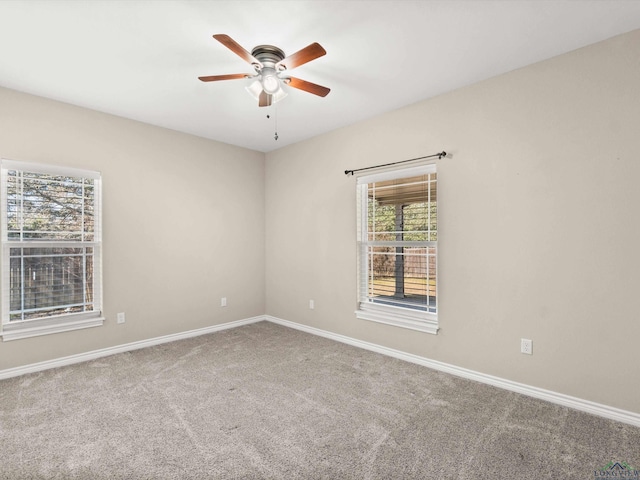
x=398, y=239
x=51, y=249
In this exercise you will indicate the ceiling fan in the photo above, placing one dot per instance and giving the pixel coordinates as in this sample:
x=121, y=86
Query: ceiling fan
x=270, y=63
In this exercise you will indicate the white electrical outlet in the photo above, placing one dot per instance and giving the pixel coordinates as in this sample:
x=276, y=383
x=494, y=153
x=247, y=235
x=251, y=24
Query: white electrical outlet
x=120, y=317
x=223, y=302
x=526, y=346
x=312, y=305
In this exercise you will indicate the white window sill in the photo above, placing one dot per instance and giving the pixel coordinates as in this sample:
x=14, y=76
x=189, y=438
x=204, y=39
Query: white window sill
x=47, y=326
x=399, y=317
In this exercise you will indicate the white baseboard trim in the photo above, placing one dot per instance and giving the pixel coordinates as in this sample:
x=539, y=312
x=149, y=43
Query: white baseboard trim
x=587, y=406
x=127, y=347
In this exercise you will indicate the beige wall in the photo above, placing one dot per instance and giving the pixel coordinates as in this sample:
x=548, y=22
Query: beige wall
x=539, y=224
x=183, y=222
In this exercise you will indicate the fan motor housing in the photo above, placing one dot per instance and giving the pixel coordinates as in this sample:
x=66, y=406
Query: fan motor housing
x=268, y=54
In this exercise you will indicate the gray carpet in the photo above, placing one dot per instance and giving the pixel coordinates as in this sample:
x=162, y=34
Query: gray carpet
x=265, y=401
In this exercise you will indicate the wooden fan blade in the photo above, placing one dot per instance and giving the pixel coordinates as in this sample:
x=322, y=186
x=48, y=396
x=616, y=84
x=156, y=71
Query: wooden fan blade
x=236, y=48
x=231, y=76
x=308, y=53
x=264, y=100
x=307, y=86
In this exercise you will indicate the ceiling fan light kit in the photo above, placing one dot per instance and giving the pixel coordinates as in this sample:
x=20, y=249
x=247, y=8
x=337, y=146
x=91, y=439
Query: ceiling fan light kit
x=270, y=82
x=269, y=63
x=256, y=89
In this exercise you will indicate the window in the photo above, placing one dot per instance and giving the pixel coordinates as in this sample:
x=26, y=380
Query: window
x=397, y=244
x=51, y=249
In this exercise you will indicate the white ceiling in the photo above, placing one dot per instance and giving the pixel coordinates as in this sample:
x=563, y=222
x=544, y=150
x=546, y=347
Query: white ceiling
x=141, y=59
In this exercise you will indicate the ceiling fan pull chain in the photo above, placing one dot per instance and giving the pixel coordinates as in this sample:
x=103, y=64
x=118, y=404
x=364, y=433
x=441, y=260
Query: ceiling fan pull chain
x=275, y=108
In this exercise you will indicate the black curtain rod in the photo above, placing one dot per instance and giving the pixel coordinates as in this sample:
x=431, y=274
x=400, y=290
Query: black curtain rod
x=439, y=155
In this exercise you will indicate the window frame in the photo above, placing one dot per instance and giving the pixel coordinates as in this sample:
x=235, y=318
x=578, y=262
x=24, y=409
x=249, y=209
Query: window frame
x=399, y=316
x=25, y=328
